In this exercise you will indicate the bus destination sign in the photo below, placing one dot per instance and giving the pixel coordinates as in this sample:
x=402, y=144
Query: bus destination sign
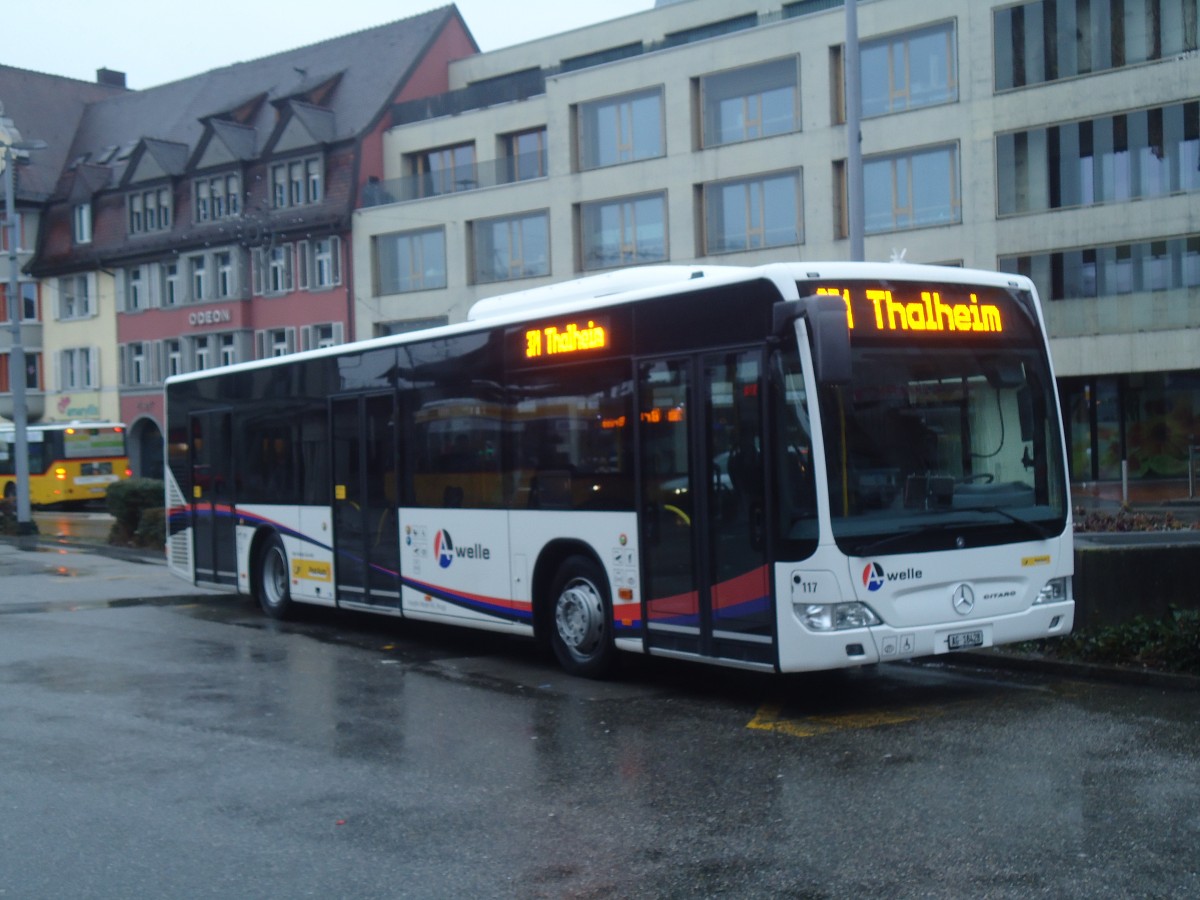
x=925, y=309
x=566, y=339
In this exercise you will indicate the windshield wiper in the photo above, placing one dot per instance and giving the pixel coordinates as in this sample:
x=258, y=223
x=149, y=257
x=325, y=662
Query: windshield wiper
x=1034, y=528
x=877, y=545
x=870, y=549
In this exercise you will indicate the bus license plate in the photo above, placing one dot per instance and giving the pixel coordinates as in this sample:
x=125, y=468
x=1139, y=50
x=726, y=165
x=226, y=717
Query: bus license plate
x=964, y=640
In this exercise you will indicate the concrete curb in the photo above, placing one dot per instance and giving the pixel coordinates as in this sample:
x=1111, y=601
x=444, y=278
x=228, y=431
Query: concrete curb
x=1032, y=662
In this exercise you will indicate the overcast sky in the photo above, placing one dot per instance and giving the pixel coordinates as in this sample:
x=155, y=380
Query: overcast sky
x=156, y=41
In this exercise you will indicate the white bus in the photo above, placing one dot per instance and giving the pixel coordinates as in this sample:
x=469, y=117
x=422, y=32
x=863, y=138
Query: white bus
x=794, y=467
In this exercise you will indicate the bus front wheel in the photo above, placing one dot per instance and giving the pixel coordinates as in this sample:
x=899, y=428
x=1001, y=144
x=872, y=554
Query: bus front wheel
x=582, y=619
x=274, y=579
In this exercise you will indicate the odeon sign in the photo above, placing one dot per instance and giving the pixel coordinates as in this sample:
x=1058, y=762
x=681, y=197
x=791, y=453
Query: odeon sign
x=209, y=317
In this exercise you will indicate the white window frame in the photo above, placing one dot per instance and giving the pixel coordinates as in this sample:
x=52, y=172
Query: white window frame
x=172, y=356
x=81, y=223
x=198, y=288
x=318, y=337
x=72, y=302
x=297, y=182
x=78, y=368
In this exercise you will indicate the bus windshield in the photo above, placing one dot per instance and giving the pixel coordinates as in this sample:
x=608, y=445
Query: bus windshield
x=944, y=438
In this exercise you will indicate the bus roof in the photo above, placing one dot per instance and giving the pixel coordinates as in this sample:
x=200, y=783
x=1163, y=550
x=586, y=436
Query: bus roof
x=639, y=283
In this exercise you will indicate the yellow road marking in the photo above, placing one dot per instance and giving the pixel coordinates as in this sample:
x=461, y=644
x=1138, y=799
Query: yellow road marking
x=768, y=718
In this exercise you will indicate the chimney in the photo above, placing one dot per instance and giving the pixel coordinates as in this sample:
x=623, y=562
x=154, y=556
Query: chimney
x=110, y=77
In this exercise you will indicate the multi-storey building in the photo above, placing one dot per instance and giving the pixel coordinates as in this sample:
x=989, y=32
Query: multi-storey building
x=207, y=221
x=37, y=107
x=1058, y=138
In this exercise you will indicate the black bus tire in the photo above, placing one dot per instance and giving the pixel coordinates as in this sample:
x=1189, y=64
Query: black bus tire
x=581, y=619
x=273, y=579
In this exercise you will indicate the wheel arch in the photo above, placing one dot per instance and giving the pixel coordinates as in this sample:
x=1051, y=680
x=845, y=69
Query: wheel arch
x=551, y=558
x=262, y=537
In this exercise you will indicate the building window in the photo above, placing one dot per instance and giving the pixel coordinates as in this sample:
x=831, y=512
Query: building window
x=27, y=306
x=202, y=352
x=1147, y=153
x=217, y=197
x=511, y=247
x=135, y=364
x=33, y=368
x=1111, y=270
x=626, y=231
x=753, y=102
x=172, y=291
x=909, y=70
x=279, y=269
x=1051, y=39
x=298, y=182
x=81, y=217
x=198, y=273
x=751, y=213
x=445, y=170
x=525, y=153
x=226, y=275
x=319, y=263
x=911, y=190
x=621, y=129
x=149, y=211
x=135, y=290
x=318, y=337
x=229, y=354
x=275, y=342
x=74, y=297
x=173, y=355
x=77, y=368
x=409, y=261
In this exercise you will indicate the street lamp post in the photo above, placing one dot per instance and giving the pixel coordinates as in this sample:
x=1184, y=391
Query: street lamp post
x=16, y=358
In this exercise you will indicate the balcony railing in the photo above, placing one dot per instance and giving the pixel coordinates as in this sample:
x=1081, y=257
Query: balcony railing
x=483, y=174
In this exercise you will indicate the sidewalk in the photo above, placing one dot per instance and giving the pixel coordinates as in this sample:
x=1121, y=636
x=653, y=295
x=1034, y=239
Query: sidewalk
x=54, y=573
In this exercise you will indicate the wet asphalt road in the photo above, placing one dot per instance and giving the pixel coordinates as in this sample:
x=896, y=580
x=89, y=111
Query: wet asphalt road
x=195, y=749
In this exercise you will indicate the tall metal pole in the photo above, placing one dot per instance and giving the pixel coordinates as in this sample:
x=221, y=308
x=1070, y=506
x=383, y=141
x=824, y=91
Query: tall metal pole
x=855, y=192
x=16, y=356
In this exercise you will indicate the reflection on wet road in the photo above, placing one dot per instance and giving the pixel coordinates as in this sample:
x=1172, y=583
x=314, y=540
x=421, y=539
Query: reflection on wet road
x=201, y=748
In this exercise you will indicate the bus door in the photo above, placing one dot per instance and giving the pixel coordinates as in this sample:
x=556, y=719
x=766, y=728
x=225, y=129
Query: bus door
x=366, y=540
x=705, y=575
x=214, y=522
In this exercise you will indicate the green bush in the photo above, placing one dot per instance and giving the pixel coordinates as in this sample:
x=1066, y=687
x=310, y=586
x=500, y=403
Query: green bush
x=127, y=500
x=152, y=529
x=1169, y=644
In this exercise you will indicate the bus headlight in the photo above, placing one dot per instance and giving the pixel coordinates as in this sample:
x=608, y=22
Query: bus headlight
x=1054, y=591
x=835, y=616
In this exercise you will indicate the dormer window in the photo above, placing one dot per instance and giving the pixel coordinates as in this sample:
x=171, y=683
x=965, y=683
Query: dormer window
x=149, y=211
x=218, y=197
x=297, y=182
x=81, y=219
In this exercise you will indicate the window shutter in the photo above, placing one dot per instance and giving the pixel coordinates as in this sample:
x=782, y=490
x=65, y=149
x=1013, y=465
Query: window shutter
x=303, y=266
x=119, y=281
x=290, y=339
x=338, y=330
x=93, y=374
x=335, y=250
x=260, y=345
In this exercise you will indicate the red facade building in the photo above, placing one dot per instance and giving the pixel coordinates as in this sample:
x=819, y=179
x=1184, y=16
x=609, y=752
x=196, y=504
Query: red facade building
x=214, y=213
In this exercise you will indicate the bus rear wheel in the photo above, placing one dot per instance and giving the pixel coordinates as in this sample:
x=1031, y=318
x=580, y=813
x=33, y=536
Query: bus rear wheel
x=581, y=618
x=274, y=580
x=10, y=491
